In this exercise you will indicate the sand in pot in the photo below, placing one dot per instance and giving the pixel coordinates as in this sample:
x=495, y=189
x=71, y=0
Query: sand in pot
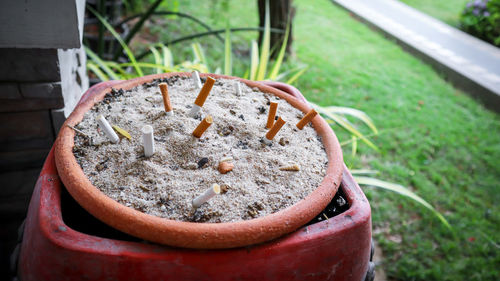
x=183, y=166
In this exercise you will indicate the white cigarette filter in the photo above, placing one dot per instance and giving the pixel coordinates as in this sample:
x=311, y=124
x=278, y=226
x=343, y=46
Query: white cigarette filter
x=148, y=141
x=196, y=79
x=110, y=133
x=238, y=88
x=207, y=195
x=194, y=110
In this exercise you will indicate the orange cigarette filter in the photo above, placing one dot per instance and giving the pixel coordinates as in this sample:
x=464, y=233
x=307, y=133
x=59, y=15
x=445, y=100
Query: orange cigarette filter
x=203, y=126
x=166, y=98
x=205, y=90
x=306, y=119
x=274, y=130
x=272, y=114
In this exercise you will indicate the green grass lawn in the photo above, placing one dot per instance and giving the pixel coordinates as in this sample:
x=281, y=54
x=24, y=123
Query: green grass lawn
x=434, y=139
x=444, y=10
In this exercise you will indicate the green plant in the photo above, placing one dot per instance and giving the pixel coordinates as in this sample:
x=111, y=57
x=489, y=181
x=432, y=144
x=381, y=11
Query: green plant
x=163, y=62
x=481, y=18
x=336, y=116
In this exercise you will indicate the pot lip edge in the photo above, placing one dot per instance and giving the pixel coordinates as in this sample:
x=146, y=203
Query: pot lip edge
x=329, y=184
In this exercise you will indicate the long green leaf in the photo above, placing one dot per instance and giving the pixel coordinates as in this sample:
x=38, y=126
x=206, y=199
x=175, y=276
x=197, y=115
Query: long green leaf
x=228, y=64
x=157, y=58
x=95, y=58
x=95, y=69
x=356, y=138
x=119, y=39
x=123, y=74
x=296, y=75
x=168, y=60
x=344, y=124
x=264, y=49
x=149, y=65
x=354, y=146
x=355, y=113
x=402, y=191
x=363, y=172
x=199, y=54
x=281, y=55
x=254, y=60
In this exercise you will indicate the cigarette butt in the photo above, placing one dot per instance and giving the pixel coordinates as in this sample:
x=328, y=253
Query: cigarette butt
x=194, y=110
x=207, y=195
x=148, y=141
x=203, y=94
x=291, y=168
x=225, y=167
x=110, y=133
x=196, y=79
x=306, y=119
x=203, y=126
x=166, y=98
x=272, y=114
x=78, y=131
x=274, y=130
x=238, y=88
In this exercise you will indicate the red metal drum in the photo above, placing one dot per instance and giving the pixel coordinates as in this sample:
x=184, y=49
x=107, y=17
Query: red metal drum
x=336, y=248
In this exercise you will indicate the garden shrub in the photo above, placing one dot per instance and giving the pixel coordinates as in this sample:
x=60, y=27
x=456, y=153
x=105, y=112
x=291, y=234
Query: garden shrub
x=481, y=18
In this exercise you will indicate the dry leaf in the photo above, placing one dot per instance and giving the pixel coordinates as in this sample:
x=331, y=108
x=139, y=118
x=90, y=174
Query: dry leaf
x=122, y=132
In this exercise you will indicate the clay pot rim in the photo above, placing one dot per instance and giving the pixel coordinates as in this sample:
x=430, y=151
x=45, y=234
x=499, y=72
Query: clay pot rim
x=192, y=234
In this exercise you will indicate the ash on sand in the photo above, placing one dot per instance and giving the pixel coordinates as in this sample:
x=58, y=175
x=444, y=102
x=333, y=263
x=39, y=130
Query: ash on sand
x=165, y=184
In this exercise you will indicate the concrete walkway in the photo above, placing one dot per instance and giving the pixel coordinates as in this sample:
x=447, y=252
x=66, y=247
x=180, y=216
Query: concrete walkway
x=469, y=63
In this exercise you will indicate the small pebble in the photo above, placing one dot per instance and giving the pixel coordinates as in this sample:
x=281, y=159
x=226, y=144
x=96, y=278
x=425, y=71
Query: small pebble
x=203, y=161
x=262, y=110
x=341, y=201
x=225, y=167
x=191, y=166
x=283, y=141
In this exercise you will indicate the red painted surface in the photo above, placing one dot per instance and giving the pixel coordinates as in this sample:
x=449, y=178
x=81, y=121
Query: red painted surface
x=334, y=249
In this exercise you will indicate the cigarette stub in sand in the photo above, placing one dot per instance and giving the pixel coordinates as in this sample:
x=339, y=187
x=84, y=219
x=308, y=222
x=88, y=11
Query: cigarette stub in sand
x=203, y=126
x=291, y=168
x=166, y=98
x=274, y=130
x=196, y=79
x=272, y=114
x=207, y=195
x=110, y=133
x=148, y=141
x=202, y=96
x=238, y=88
x=306, y=119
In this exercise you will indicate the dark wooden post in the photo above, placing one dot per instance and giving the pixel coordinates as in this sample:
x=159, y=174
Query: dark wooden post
x=280, y=12
x=42, y=76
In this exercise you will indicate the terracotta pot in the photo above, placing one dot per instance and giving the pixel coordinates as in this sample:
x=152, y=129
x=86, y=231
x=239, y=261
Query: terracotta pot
x=189, y=234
